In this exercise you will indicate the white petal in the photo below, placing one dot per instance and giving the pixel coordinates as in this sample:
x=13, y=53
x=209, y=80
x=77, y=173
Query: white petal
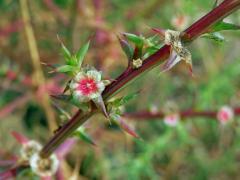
x=95, y=75
x=80, y=97
x=52, y=168
x=73, y=85
x=79, y=76
x=30, y=148
x=100, y=86
x=94, y=95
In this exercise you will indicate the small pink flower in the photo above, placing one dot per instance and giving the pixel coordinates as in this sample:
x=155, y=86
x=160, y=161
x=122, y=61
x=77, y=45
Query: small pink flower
x=171, y=119
x=153, y=109
x=87, y=85
x=180, y=22
x=225, y=114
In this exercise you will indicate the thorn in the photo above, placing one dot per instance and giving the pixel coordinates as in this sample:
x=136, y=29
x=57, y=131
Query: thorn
x=48, y=65
x=159, y=31
x=51, y=72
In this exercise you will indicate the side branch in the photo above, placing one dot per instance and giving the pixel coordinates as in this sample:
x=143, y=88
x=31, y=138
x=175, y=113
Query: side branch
x=148, y=115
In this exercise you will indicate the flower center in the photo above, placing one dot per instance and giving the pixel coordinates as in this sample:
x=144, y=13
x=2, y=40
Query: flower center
x=224, y=116
x=87, y=86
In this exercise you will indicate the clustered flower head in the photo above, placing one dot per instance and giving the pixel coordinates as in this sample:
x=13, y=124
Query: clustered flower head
x=29, y=152
x=225, y=114
x=29, y=149
x=44, y=167
x=87, y=85
x=171, y=119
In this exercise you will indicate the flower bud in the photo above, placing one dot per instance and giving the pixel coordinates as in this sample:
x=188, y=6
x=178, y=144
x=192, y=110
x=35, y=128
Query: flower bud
x=225, y=114
x=171, y=119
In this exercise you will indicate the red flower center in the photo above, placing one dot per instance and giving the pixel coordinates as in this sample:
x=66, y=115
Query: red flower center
x=87, y=86
x=224, y=116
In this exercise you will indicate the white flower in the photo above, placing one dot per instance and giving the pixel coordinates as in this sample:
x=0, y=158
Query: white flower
x=171, y=119
x=29, y=149
x=180, y=21
x=44, y=167
x=225, y=114
x=87, y=85
x=154, y=109
x=137, y=63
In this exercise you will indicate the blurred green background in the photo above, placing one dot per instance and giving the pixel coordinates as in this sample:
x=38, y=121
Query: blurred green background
x=197, y=148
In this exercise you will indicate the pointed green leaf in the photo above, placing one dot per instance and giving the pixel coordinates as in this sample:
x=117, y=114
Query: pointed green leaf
x=128, y=129
x=116, y=119
x=80, y=133
x=215, y=4
x=223, y=26
x=124, y=100
x=62, y=111
x=101, y=105
x=62, y=97
x=66, y=69
x=66, y=53
x=69, y=99
x=128, y=50
x=82, y=53
x=80, y=105
x=137, y=40
x=214, y=36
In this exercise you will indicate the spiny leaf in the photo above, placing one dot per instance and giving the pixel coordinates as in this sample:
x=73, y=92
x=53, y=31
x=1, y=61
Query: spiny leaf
x=67, y=87
x=223, y=26
x=214, y=36
x=153, y=39
x=137, y=40
x=80, y=105
x=82, y=53
x=151, y=50
x=80, y=133
x=101, y=105
x=19, y=137
x=66, y=69
x=62, y=97
x=123, y=125
x=128, y=129
x=62, y=111
x=66, y=53
x=124, y=100
x=128, y=50
x=159, y=31
x=71, y=100
x=215, y=4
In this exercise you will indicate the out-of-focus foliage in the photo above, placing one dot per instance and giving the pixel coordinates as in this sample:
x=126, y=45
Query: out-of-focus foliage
x=198, y=148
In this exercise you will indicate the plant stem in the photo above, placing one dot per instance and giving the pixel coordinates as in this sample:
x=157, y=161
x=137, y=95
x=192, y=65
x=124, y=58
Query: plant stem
x=143, y=115
x=38, y=73
x=194, y=31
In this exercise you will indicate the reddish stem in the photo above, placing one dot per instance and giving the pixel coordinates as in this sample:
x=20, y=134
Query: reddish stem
x=224, y=9
x=143, y=115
